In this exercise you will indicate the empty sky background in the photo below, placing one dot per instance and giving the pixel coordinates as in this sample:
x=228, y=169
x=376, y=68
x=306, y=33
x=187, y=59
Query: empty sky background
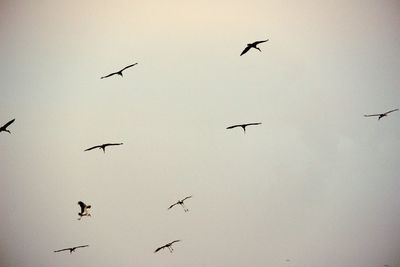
x=316, y=183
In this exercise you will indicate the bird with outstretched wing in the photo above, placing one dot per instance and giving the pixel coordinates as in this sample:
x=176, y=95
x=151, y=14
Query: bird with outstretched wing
x=118, y=72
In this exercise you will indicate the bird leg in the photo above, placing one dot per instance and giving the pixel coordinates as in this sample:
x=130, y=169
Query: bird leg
x=244, y=129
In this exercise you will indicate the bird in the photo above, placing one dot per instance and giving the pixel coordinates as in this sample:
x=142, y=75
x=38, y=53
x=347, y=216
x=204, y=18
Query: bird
x=169, y=246
x=253, y=45
x=4, y=127
x=243, y=125
x=118, y=72
x=103, y=146
x=381, y=115
x=180, y=202
x=71, y=249
x=84, y=210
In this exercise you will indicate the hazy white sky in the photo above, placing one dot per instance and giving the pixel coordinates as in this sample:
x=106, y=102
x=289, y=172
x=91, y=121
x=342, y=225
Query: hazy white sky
x=316, y=183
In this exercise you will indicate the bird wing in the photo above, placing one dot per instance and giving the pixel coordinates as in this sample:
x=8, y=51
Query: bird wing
x=82, y=205
x=84, y=246
x=234, y=126
x=172, y=205
x=93, y=147
x=158, y=249
x=128, y=66
x=372, y=115
x=7, y=124
x=174, y=241
x=392, y=111
x=61, y=250
x=245, y=50
x=253, y=123
x=111, y=74
x=259, y=42
x=113, y=144
x=186, y=198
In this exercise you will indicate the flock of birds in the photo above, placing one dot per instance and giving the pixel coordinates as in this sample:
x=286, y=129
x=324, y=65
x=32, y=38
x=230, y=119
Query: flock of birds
x=84, y=208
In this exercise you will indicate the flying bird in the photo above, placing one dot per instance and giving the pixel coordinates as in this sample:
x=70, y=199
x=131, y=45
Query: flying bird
x=118, y=72
x=71, y=249
x=103, y=146
x=169, y=246
x=180, y=202
x=243, y=125
x=84, y=210
x=381, y=115
x=253, y=45
x=4, y=127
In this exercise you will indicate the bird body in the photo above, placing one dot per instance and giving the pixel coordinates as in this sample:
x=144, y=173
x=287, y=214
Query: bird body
x=84, y=210
x=180, y=202
x=103, y=146
x=381, y=115
x=253, y=45
x=243, y=126
x=4, y=127
x=71, y=249
x=118, y=72
x=168, y=245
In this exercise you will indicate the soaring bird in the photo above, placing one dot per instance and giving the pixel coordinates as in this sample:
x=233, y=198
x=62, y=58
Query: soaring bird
x=180, y=202
x=4, y=127
x=169, y=246
x=253, y=45
x=381, y=115
x=71, y=249
x=84, y=210
x=103, y=146
x=243, y=125
x=118, y=72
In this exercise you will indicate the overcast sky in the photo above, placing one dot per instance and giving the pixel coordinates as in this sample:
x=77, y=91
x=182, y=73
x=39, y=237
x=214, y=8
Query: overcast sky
x=316, y=183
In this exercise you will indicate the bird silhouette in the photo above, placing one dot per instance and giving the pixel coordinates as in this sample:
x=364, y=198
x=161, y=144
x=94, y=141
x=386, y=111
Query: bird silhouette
x=71, y=249
x=103, y=146
x=253, y=45
x=180, y=202
x=4, y=127
x=84, y=210
x=169, y=246
x=118, y=72
x=243, y=125
x=381, y=115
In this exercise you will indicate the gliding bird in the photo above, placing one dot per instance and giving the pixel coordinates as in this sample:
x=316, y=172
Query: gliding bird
x=381, y=115
x=243, y=125
x=253, y=45
x=103, y=146
x=84, y=210
x=180, y=202
x=118, y=72
x=169, y=246
x=4, y=127
x=71, y=249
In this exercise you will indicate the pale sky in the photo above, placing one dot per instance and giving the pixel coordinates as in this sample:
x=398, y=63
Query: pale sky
x=316, y=183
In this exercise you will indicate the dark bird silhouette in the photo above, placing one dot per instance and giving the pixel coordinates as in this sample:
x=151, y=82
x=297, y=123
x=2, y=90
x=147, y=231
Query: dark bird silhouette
x=243, y=125
x=180, y=202
x=118, y=72
x=71, y=249
x=4, y=127
x=253, y=45
x=84, y=210
x=103, y=146
x=381, y=115
x=169, y=246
